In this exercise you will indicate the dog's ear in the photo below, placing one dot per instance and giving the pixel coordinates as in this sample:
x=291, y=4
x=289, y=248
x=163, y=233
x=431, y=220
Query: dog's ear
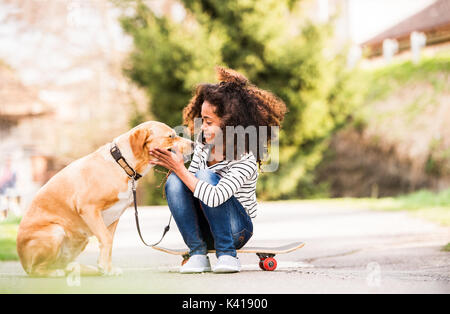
x=138, y=139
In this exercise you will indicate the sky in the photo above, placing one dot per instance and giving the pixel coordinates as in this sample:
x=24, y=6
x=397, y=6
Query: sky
x=368, y=18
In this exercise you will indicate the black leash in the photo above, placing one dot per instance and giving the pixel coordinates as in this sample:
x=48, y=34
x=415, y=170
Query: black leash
x=166, y=229
x=134, y=176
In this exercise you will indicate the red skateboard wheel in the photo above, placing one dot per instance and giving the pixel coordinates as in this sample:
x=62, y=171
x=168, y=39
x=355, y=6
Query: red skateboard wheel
x=261, y=265
x=269, y=264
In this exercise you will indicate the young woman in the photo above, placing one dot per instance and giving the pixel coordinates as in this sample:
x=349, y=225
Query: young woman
x=213, y=201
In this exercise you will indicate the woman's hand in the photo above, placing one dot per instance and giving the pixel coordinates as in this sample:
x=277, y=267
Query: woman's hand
x=174, y=162
x=167, y=159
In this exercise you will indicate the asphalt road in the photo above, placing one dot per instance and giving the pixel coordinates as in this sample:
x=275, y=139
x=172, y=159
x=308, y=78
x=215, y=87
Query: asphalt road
x=347, y=251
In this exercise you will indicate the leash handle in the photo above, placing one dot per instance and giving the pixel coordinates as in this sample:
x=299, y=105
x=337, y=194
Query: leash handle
x=136, y=215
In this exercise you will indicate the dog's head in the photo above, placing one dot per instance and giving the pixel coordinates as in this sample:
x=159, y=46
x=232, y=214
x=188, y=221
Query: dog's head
x=152, y=134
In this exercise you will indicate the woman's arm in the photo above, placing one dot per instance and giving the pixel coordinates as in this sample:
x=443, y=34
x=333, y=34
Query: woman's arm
x=188, y=178
x=228, y=185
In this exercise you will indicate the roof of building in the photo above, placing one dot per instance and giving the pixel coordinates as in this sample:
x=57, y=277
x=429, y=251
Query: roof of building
x=434, y=17
x=18, y=101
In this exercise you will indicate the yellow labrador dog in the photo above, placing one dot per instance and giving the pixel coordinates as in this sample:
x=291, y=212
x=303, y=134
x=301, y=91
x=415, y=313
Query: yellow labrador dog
x=87, y=198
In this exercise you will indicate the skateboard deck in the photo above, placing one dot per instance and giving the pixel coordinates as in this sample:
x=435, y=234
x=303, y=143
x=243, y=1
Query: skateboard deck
x=266, y=254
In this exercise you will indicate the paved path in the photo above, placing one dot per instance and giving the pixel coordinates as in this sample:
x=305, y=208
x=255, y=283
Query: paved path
x=347, y=251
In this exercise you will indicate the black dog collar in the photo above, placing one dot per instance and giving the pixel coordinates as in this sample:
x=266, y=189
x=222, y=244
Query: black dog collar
x=117, y=155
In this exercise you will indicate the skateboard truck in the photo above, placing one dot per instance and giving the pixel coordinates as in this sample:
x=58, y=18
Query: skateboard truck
x=185, y=259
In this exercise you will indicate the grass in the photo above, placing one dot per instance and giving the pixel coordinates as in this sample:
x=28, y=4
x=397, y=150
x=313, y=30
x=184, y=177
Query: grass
x=379, y=84
x=425, y=204
x=8, y=234
x=432, y=206
x=446, y=248
x=385, y=80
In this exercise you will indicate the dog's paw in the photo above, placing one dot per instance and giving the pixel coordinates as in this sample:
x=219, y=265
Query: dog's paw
x=114, y=271
x=73, y=267
x=57, y=273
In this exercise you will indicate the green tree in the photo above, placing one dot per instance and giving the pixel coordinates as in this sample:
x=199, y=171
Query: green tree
x=264, y=40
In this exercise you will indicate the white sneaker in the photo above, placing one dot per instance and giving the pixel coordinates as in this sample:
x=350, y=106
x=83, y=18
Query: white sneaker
x=196, y=264
x=227, y=264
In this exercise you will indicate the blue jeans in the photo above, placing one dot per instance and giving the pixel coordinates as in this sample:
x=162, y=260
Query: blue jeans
x=224, y=228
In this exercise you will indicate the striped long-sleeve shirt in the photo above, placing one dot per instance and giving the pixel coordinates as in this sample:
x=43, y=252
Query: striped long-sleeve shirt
x=237, y=178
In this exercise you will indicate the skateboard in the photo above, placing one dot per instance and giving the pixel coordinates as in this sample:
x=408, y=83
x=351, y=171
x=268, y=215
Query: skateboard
x=266, y=254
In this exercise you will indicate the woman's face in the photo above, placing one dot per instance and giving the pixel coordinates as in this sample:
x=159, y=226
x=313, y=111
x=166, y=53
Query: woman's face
x=210, y=122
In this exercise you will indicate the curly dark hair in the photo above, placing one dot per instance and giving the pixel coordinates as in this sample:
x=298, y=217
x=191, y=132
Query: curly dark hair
x=238, y=103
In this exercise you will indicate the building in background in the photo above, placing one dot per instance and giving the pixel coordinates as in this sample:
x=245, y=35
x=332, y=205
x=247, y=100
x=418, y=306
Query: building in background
x=383, y=30
x=24, y=165
x=429, y=28
x=62, y=90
